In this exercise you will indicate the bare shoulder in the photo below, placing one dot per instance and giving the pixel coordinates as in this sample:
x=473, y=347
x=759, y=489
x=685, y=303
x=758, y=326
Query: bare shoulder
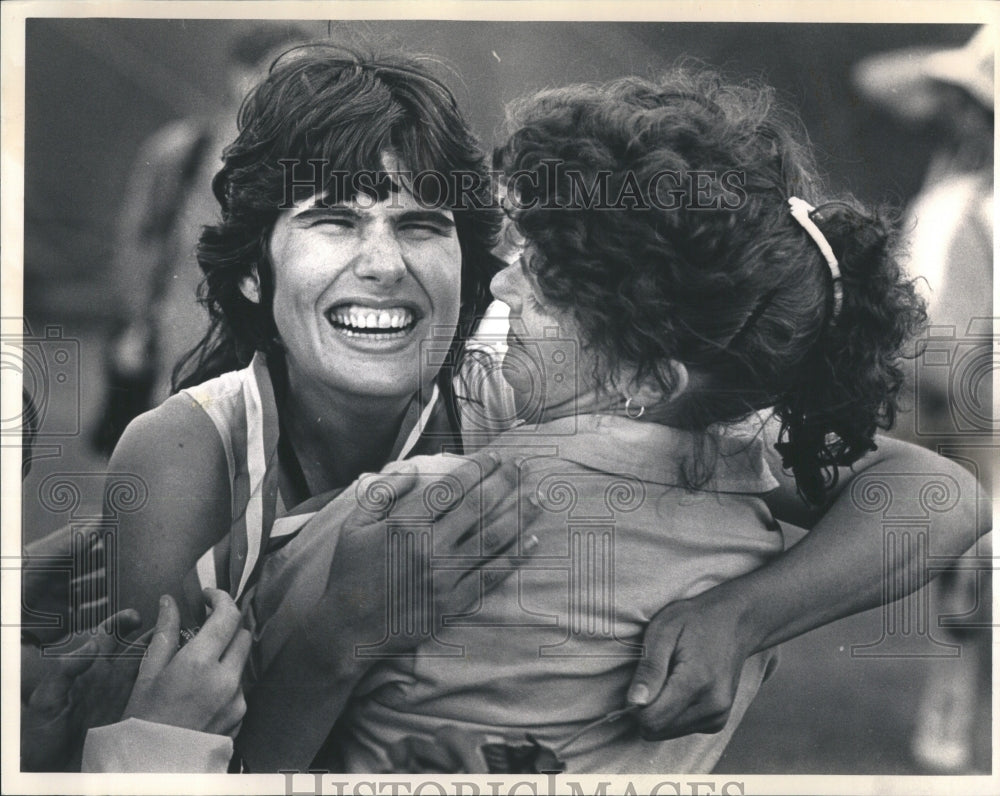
x=176, y=440
x=176, y=451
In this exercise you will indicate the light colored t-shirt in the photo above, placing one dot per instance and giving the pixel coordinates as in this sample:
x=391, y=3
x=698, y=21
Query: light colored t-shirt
x=554, y=647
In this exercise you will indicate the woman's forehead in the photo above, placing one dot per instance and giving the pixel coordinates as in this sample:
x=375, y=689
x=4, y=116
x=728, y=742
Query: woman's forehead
x=397, y=201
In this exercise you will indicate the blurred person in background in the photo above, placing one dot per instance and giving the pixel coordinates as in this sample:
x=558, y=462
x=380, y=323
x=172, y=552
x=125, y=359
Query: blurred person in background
x=167, y=200
x=948, y=93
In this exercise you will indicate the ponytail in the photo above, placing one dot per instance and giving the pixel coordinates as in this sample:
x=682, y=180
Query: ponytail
x=847, y=388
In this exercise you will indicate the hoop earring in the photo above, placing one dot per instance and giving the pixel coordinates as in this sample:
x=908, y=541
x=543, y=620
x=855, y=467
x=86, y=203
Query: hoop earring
x=629, y=413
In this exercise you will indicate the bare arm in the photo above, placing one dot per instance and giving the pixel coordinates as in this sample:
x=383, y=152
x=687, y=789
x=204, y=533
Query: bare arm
x=696, y=648
x=840, y=567
x=176, y=451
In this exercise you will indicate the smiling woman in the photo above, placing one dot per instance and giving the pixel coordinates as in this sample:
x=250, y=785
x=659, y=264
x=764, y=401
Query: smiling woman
x=342, y=276
x=359, y=279
x=333, y=290
x=352, y=115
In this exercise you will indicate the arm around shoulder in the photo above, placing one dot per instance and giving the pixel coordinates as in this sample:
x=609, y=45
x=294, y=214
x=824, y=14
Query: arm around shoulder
x=902, y=472
x=839, y=568
x=175, y=453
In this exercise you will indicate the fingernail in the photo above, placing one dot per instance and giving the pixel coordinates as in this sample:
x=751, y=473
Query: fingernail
x=494, y=457
x=638, y=694
x=531, y=544
x=164, y=602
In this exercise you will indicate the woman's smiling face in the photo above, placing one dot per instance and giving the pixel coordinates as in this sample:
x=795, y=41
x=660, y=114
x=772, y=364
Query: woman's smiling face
x=359, y=286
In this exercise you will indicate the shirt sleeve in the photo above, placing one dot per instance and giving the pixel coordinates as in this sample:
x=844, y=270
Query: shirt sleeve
x=136, y=746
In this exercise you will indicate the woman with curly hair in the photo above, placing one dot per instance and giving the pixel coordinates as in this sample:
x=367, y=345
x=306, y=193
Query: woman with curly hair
x=668, y=240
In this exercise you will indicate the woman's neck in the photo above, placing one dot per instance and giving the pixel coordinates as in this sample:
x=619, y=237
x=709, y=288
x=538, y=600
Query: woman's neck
x=337, y=437
x=604, y=402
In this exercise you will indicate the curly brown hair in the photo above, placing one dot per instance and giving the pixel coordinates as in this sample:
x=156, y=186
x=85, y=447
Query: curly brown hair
x=718, y=275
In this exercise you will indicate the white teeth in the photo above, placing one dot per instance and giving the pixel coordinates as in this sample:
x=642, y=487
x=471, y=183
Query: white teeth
x=360, y=317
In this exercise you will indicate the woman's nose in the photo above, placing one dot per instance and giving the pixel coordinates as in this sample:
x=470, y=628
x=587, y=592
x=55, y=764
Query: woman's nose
x=381, y=257
x=504, y=286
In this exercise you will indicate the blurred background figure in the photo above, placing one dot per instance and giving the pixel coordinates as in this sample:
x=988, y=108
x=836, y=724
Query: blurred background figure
x=949, y=94
x=167, y=200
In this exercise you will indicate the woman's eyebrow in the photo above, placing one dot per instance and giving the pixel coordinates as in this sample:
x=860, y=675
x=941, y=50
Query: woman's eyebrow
x=335, y=211
x=432, y=216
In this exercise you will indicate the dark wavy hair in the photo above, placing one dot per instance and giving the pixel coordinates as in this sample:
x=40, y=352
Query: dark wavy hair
x=345, y=109
x=725, y=280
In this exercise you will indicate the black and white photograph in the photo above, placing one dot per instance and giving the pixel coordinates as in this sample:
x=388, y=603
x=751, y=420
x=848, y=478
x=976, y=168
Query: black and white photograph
x=498, y=398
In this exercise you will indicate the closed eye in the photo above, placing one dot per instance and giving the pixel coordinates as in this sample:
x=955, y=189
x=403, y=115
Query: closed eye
x=332, y=222
x=327, y=217
x=424, y=230
x=422, y=223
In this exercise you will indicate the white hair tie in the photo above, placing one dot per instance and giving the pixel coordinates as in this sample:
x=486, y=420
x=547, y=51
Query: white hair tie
x=801, y=210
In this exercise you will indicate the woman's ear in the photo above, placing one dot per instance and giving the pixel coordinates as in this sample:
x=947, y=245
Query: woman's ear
x=648, y=392
x=250, y=287
x=645, y=394
x=681, y=379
